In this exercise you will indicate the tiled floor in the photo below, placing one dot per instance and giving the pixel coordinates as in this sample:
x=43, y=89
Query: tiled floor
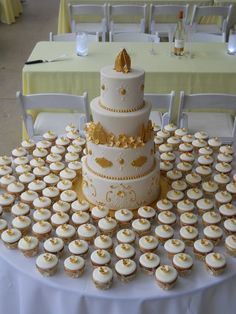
x=16, y=42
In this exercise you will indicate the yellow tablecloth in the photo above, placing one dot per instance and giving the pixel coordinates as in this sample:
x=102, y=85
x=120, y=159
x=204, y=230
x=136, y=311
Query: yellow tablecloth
x=63, y=18
x=9, y=10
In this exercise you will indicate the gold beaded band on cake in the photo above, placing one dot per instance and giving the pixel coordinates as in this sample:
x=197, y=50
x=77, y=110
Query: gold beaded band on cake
x=120, y=178
x=121, y=110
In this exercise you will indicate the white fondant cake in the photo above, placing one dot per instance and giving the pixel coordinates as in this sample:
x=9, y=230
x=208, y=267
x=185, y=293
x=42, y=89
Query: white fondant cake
x=120, y=169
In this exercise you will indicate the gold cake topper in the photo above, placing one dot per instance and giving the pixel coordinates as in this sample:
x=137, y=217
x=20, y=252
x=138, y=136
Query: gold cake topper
x=122, y=62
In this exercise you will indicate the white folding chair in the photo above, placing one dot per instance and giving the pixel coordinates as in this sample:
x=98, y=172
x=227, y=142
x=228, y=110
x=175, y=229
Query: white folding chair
x=133, y=37
x=166, y=11
x=61, y=110
x=72, y=37
x=223, y=12
x=218, y=124
x=162, y=107
x=92, y=12
x=127, y=11
x=201, y=37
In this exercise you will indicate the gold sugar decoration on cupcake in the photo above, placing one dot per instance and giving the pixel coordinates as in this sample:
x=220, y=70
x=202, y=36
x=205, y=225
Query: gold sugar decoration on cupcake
x=146, y=208
x=21, y=218
x=124, y=212
x=103, y=237
x=10, y=232
x=217, y=256
x=213, y=214
x=42, y=199
x=214, y=228
x=88, y=227
x=175, y=242
x=149, y=239
x=64, y=182
x=225, y=164
x=41, y=211
x=233, y=220
x=229, y=206
x=28, y=239
x=122, y=62
x=68, y=171
x=176, y=192
x=27, y=174
x=74, y=259
x=101, y=207
x=142, y=221
x=5, y=196
x=149, y=256
x=189, y=229
x=187, y=202
x=68, y=193
x=233, y=238
x=189, y=215
x=5, y=158
x=165, y=201
x=79, y=213
x=211, y=184
x=108, y=219
x=183, y=257
x=205, y=167
x=48, y=257
x=53, y=241
x=125, y=247
x=126, y=232
x=204, y=242
x=17, y=184
x=21, y=205
x=101, y=253
x=103, y=270
x=52, y=188
x=65, y=227
x=58, y=163
x=165, y=228
x=167, y=213
x=224, y=193
x=7, y=176
x=196, y=190
x=126, y=262
x=42, y=223
x=166, y=162
x=165, y=268
x=207, y=201
x=3, y=167
x=78, y=243
x=60, y=214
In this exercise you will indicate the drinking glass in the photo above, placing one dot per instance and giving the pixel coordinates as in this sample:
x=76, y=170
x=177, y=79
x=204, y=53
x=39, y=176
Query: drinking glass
x=232, y=43
x=82, y=44
x=154, y=38
x=171, y=38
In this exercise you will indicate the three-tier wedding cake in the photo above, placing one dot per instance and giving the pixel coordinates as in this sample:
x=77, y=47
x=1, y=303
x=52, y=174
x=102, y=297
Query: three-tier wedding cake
x=120, y=169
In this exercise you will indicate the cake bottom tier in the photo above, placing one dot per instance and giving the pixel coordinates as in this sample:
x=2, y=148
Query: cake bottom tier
x=118, y=194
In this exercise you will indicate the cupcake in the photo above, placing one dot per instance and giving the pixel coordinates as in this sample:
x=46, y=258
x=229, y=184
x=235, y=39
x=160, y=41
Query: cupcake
x=224, y=157
x=50, y=136
x=179, y=185
x=185, y=206
x=169, y=156
x=61, y=206
x=124, y=251
x=46, y=264
x=29, y=246
x=194, y=194
x=100, y=258
x=167, y=218
x=4, y=170
x=19, y=170
x=223, y=197
x=19, y=152
x=213, y=233
x=183, y=263
x=87, y=232
x=181, y=132
x=211, y=218
x=58, y=149
x=71, y=157
x=80, y=205
x=207, y=150
x=215, y=263
x=187, y=157
x=188, y=219
x=21, y=161
x=102, y=277
x=198, y=143
x=44, y=144
x=52, y=193
x=164, y=204
x=230, y=226
x=124, y=217
x=158, y=141
x=37, y=162
x=231, y=188
x=174, y=175
x=99, y=212
x=149, y=262
x=42, y=202
x=174, y=246
x=223, y=167
x=51, y=179
x=174, y=141
x=165, y=166
x=74, y=266
x=73, y=134
x=227, y=211
x=226, y=149
x=37, y=186
x=107, y=225
x=5, y=160
x=67, y=174
x=40, y=152
x=222, y=180
x=164, y=233
x=62, y=141
x=187, y=138
x=10, y=238
x=204, y=171
x=230, y=245
x=163, y=134
x=188, y=234
x=57, y=167
x=3, y=225
x=6, y=180
x=147, y=212
x=141, y=226
x=59, y=218
x=75, y=165
x=125, y=269
x=54, y=245
x=79, y=247
x=79, y=218
x=148, y=244
x=6, y=201
x=166, y=276
x=205, y=160
x=22, y=223
x=41, y=172
x=15, y=188
x=42, y=230
x=64, y=185
x=205, y=205
x=171, y=128
x=175, y=196
x=68, y=196
x=201, y=135
x=28, y=197
x=125, y=236
x=209, y=188
x=26, y=178
x=184, y=167
x=103, y=242
x=41, y=214
x=66, y=232
x=20, y=209
x=74, y=148
x=201, y=248
x=186, y=148
x=164, y=148
x=214, y=143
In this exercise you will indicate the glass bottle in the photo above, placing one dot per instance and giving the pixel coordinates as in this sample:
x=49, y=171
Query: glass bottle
x=179, y=36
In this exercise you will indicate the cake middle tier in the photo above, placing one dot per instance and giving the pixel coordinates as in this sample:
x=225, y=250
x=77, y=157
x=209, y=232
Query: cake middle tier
x=127, y=123
x=120, y=162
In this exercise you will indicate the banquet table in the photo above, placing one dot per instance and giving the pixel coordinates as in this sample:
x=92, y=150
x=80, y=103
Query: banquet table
x=9, y=10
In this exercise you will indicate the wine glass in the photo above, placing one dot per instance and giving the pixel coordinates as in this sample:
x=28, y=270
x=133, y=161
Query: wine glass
x=171, y=38
x=154, y=38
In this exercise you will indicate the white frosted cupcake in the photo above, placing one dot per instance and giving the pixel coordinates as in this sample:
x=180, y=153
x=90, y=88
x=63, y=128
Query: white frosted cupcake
x=76, y=166
x=59, y=218
x=42, y=202
x=80, y=205
x=224, y=157
x=167, y=218
x=19, y=152
x=185, y=206
x=147, y=212
x=166, y=276
x=79, y=247
x=174, y=246
x=107, y=225
x=214, y=143
x=201, y=248
x=215, y=263
x=73, y=134
x=99, y=212
x=51, y=192
x=186, y=148
x=125, y=269
x=188, y=234
x=64, y=185
x=227, y=149
x=74, y=148
x=79, y=218
x=63, y=141
x=125, y=236
x=21, y=160
x=188, y=219
x=26, y=178
x=223, y=197
x=44, y=144
x=230, y=226
x=149, y=262
x=175, y=196
x=41, y=172
x=41, y=214
x=61, y=206
x=211, y=218
x=148, y=244
x=87, y=232
x=141, y=226
x=187, y=138
x=204, y=171
x=54, y=245
x=165, y=166
x=194, y=194
x=164, y=233
x=181, y=132
x=66, y=232
x=28, y=197
x=58, y=149
x=213, y=233
x=125, y=250
x=231, y=188
x=187, y=157
x=164, y=148
x=183, y=263
x=15, y=188
x=205, y=160
x=51, y=179
x=184, y=167
x=124, y=217
x=158, y=141
x=222, y=180
x=10, y=238
x=100, y=258
x=40, y=152
x=102, y=277
x=205, y=205
x=223, y=167
x=210, y=188
x=67, y=174
x=163, y=134
x=19, y=170
x=169, y=156
x=3, y=225
x=37, y=162
x=37, y=186
x=103, y=242
x=80, y=141
x=46, y=264
x=68, y=196
x=22, y=223
x=201, y=135
x=74, y=266
x=227, y=210
x=171, y=128
x=230, y=245
x=6, y=201
x=5, y=160
x=164, y=204
x=50, y=136
x=205, y=151
x=42, y=230
x=57, y=167
x=20, y=209
x=198, y=143
x=174, y=141
x=29, y=246
x=174, y=175
x=6, y=180
x=179, y=185
x=71, y=157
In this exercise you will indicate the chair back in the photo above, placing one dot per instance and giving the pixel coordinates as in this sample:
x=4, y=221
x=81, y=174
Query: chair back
x=132, y=37
x=201, y=37
x=72, y=37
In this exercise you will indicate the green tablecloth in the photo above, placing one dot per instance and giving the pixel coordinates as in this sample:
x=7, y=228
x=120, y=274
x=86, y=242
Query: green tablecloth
x=9, y=9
